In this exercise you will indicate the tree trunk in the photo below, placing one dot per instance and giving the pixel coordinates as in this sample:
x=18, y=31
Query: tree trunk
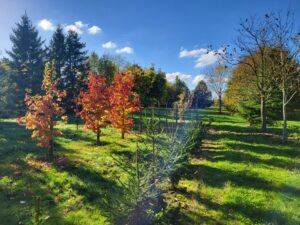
x=153, y=158
x=98, y=136
x=77, y=121
x=284, y=118
x=220, y=104
x=263, y=114
x=50, y=150
x=123, y=125
x=141, y=118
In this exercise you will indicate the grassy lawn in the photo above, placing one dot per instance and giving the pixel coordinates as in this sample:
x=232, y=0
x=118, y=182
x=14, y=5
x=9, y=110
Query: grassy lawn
x=242, y=176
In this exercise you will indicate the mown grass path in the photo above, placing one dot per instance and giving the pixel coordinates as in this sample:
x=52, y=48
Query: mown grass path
x=242, y=177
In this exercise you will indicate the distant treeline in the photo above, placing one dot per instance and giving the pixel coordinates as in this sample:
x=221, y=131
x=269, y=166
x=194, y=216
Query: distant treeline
x=22, y=72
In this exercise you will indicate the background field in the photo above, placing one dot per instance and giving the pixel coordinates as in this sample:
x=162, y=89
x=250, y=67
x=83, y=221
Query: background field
x=241, y=177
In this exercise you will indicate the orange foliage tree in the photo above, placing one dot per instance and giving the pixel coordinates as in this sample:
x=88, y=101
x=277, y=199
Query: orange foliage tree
x=95, y=105
x=123, y=101
x=42, y=110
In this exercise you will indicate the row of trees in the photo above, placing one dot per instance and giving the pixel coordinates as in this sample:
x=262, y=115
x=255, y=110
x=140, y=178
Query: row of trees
x=22, y=73
x=266, y=77
x=27, y=58
x=101, y=104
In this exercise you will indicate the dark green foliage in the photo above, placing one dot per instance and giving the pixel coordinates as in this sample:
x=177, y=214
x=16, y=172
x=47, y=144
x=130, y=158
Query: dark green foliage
x=201, y=96
x=75, y=71
x=107, y=67
x=26, y=61
x=57, y=54
x=180, y=86
x=158, y=87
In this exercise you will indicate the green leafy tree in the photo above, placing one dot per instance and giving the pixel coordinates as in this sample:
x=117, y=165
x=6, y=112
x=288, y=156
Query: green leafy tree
x=142, y=83
x=201, y=97
x=6, y=90
x=158, y=87
x=26, y=61
x=93, y=63
x=107, y=67
x=180, y=87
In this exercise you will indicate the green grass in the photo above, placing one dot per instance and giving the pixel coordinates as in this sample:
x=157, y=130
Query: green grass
x=242, y=176
x=74, y=190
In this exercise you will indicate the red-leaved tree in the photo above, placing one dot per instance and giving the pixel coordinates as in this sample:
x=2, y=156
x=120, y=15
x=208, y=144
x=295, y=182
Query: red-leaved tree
x=95, y=104
x=123, y=101
x=42, y=110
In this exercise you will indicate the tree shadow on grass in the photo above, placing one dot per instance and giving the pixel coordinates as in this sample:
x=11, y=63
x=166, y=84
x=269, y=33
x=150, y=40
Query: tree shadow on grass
x=215, y=177
x=254, y=213
x=243, y=157
x=25, y=182
x=274, y=151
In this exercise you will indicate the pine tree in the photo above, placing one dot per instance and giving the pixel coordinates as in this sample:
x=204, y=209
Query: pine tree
x=26, y=60
x=201, y=96
x=57, y=53
x=75, y=72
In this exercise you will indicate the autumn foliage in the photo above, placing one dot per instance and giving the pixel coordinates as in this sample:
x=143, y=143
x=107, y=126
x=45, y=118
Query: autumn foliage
x=42, y=110
x=95, y=105
x=123, y=101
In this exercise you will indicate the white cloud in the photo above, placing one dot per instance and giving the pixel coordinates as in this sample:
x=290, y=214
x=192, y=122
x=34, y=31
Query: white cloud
x=77, y=27
x=126, y=50
x=109, y=44
x=205, y=57
x=46, y=25
x=94, y=30
x=198, y=78
x=193, y=53
x=172, y=76
x=80, y=24
x=74, y=28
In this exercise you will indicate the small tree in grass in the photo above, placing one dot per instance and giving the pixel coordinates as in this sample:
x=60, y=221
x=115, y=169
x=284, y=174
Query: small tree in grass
x=95, y=105
x=123, y=101
x=42, y=110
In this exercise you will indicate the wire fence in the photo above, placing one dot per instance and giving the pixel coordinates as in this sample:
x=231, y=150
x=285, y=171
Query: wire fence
x=167, y=118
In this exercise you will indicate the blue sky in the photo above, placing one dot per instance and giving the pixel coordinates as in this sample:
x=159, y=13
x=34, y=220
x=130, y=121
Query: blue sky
x=171, y=33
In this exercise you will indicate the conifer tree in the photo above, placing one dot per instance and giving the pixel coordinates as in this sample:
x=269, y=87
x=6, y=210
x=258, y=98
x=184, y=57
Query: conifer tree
x=201, y=96
x=75, y=73
x=57, y=53
x=26, y=60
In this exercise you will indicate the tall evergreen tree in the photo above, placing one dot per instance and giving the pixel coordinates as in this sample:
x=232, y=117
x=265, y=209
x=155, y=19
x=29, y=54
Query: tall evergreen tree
x=75, y=71
x=26, y=60
x=93, y=63
x=201, y=96
x=180, y=87
x=158, y=87
x=57, y=53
